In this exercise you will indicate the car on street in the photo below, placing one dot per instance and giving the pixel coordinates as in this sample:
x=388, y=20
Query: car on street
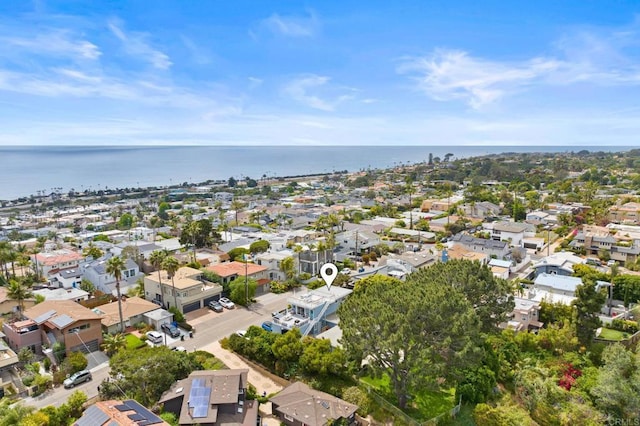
x=171, y=329
x=611, y=262
x=267, y=325
x=241, y=333
x=179, y=349
x=227, y=303
x=77, y=378
x=154, y=337
x=215, y=306
x=346, y=271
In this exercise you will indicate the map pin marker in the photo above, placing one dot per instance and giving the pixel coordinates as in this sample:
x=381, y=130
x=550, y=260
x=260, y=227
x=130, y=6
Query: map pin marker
x=329, y=272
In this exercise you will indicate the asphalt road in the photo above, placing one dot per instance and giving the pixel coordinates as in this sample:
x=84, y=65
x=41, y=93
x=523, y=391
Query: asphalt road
x=210, y=327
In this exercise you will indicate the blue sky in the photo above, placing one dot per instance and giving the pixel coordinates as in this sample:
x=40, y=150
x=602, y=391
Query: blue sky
x=320, y=73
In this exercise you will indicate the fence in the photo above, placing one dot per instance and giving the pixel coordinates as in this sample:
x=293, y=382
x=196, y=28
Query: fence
x=401, y=415
x=629, y=342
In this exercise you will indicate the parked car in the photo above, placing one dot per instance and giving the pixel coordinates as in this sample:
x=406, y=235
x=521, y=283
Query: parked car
x=241, y=333
x=77, y=378
x=154, y=337
x=214, y=305
x=179, y=349
x=170, y=329
x=346, y=271
x=611, y=262
x=267, y=325
x=227, y=303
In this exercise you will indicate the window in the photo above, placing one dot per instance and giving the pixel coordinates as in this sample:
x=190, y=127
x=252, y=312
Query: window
x=524, y=318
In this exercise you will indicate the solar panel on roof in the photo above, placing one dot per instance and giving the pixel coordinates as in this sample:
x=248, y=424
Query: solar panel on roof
x=42, y=318
x=122, y=407
x=135, y=417
x=200, y=411
x=143, y=411
x=92, y=416
x=62, y=321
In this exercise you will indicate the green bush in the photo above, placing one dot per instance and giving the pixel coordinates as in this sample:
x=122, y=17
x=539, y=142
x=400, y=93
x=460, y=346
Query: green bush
x=47, y=364
x=28, y=380
x=624, y=326
x=177, y=315
x=278, y=288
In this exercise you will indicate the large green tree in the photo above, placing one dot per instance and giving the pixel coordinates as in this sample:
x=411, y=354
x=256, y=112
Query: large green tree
x=241, y=291
x=490, y=297
x=415, y=332
x=588, y=304
x=145, y=374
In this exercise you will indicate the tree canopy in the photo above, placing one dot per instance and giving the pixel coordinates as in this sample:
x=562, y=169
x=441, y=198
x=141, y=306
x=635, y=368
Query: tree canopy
x=416, y=332
x=490, y=297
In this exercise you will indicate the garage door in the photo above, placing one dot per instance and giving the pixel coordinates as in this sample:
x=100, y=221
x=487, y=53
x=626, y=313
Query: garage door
x=191, y=307
x=90, y=346
x=211, y=299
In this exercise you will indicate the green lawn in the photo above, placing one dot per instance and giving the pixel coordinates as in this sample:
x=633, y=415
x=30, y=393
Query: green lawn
x=424, y=405
x=610, y=334
x=134, y=342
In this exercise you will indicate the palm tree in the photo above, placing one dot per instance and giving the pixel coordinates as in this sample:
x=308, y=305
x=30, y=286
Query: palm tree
x=115, y=266
x=171, y=265
x=19, y=292
x=156, y=258
x=237, y=206
x=112, y=343
x=288, y=267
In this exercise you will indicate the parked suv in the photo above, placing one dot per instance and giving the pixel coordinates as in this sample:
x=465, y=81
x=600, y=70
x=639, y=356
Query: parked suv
x=214, y=305
x=170, y=329
x=154, y=337
x=77, y=378
x=227, y=303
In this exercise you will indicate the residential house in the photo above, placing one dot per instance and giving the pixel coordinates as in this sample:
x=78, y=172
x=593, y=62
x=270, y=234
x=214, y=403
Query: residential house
x=625, y=213
x=73, y=294
x=559, y=263
x=271, y=260
x=353, y=243
x=212, y=398
x=187, y=288
x=8, y=359
x=8, y=305
x=512, y=232
x=460, y=252
x=118, y=413
x=50, y=262
x=622, y=247
x=96, y=272
x=49, y=322
x=554, y=288
x=67, y=278
x=497, y=249
x=229, y=271
x=310, y=261
x=298, y=405
x=400, y=265
x=134, y=310
x=525, y=315
x=481, y=209
x=311, y=311
x=500, y=268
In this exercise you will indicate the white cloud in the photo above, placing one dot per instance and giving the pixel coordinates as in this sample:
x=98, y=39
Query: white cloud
x=292, y=26
x=453, y=74
x=55, y=43
x=136, y=45
x=300, y=89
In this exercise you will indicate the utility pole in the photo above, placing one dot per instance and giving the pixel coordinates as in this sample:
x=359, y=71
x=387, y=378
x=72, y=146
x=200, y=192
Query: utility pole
x=246, y=280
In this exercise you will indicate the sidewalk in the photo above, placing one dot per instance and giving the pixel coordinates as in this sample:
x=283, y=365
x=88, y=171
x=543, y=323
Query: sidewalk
x=263, y=384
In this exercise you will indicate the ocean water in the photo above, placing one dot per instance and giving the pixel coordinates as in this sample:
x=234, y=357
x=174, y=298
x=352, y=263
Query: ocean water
x=29, y=170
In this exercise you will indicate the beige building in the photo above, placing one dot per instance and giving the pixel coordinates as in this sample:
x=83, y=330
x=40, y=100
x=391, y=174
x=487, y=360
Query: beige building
x=187, y=290
x=133, y=312
x=626, y=213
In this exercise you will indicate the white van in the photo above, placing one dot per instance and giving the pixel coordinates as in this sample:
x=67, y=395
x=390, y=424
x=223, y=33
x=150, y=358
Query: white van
x=154, y=337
